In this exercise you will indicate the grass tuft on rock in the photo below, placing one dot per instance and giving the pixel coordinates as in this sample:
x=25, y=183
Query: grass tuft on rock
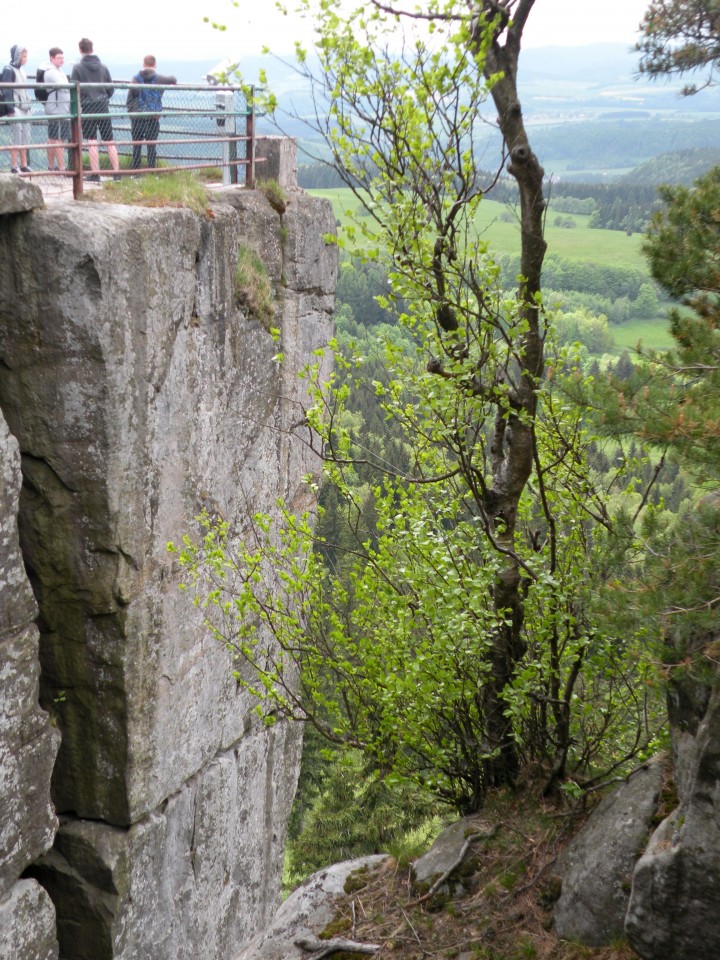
x=150, y=190
x=276, y=196
x=253, y=288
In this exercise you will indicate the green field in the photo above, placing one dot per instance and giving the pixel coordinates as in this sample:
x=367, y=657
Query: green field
x=601, y=246
x=611, y=247
x=651, y=333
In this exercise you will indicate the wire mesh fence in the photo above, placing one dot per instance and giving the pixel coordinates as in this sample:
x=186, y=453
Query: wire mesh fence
x=148, y=126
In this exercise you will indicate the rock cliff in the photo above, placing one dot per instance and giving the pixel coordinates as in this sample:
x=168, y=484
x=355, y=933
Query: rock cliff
x=675, y=900
x=140, y=393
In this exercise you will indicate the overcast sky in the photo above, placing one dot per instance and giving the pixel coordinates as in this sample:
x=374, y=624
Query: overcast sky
x=123, y=32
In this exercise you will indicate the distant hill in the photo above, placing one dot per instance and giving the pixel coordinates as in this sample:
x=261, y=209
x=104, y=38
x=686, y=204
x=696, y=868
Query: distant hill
x=589, y=116
x=596, y=78
x=679, y=166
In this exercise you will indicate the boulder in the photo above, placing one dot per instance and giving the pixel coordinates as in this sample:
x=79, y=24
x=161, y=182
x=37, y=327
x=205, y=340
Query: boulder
x=140, y=396
x=447, y=855
x=18, y=195
x=307, y=912
x=675, y=903
x=596, y=868
x=27, y=923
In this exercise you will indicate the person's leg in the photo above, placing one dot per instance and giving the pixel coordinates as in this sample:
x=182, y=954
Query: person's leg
x=26, y=140
x=57, y=131
x=136, y=135
x=93, y=155
x=152, y=132
x=106, y=134
x=15, y=147
x=113, y=154
x=56, y=160
x=89, y=132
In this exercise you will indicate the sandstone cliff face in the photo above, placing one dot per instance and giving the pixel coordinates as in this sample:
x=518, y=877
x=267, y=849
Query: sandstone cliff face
x=28, y=743
x=139, y=394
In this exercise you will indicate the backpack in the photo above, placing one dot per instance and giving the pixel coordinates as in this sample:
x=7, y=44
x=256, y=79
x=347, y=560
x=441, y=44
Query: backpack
x=149, y=101
x=7, y=106
x=41, y=93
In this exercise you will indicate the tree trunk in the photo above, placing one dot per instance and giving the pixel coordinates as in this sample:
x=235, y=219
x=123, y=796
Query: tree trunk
x=513, y=444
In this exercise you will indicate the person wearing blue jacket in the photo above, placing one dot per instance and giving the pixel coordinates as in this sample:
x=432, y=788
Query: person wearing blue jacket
x=146, y=99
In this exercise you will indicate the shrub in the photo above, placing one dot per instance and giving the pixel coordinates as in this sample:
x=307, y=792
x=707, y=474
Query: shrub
x=253, y=288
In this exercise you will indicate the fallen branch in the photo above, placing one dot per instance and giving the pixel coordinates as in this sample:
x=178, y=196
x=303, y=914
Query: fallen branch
x=324, y=948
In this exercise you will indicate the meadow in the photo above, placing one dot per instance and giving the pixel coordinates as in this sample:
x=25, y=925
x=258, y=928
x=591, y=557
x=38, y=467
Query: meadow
x=601, y=246
x=497, y=223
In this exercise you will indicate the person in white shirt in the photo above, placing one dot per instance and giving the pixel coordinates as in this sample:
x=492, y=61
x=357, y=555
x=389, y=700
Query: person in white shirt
x=57, y=104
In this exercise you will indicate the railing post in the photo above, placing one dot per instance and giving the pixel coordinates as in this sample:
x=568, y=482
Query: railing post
x=76, y=135
x=224, y=119
x=250, y=132
x=232, y=151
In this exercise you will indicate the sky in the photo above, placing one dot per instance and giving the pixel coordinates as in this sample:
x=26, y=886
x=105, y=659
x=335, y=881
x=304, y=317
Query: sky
x=125, y=32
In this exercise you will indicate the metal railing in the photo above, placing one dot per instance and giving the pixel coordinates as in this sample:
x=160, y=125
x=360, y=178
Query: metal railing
x=198, y=128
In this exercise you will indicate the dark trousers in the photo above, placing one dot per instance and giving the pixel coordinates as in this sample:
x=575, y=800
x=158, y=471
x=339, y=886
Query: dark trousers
x=144, y=128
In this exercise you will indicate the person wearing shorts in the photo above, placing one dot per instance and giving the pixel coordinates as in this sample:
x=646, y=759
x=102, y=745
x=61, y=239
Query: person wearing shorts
x=95, y=100
x=18, y=106
x=57, y=105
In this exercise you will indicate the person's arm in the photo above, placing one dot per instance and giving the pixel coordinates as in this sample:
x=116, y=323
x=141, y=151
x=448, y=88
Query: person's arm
x=110, y=90
x=133, y=98
x=166, y=81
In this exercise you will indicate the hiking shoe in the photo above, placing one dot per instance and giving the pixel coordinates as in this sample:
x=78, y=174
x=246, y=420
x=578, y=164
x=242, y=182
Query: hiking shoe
x=117, y=177
x=92, y=178
x=25, y=170
x=14, y=170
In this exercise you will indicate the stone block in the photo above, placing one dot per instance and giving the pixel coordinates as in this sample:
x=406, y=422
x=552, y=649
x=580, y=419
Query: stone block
x=28, y=743
x=194, y=878
x=27, y=924
x=17, y=604
x=18, y=195
x=277, y=158
x=141, y=394
x=675, y=901
x=597, y=866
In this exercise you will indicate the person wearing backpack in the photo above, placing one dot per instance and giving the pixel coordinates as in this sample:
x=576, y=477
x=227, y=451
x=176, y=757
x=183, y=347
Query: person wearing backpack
x=56, y=103
x=17, y=104
x=146, y=99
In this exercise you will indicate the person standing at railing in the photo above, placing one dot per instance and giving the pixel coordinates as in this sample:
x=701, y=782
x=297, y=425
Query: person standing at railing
x=148, y=100
x=56, y=104
x=95, y=100
x=18, y=105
